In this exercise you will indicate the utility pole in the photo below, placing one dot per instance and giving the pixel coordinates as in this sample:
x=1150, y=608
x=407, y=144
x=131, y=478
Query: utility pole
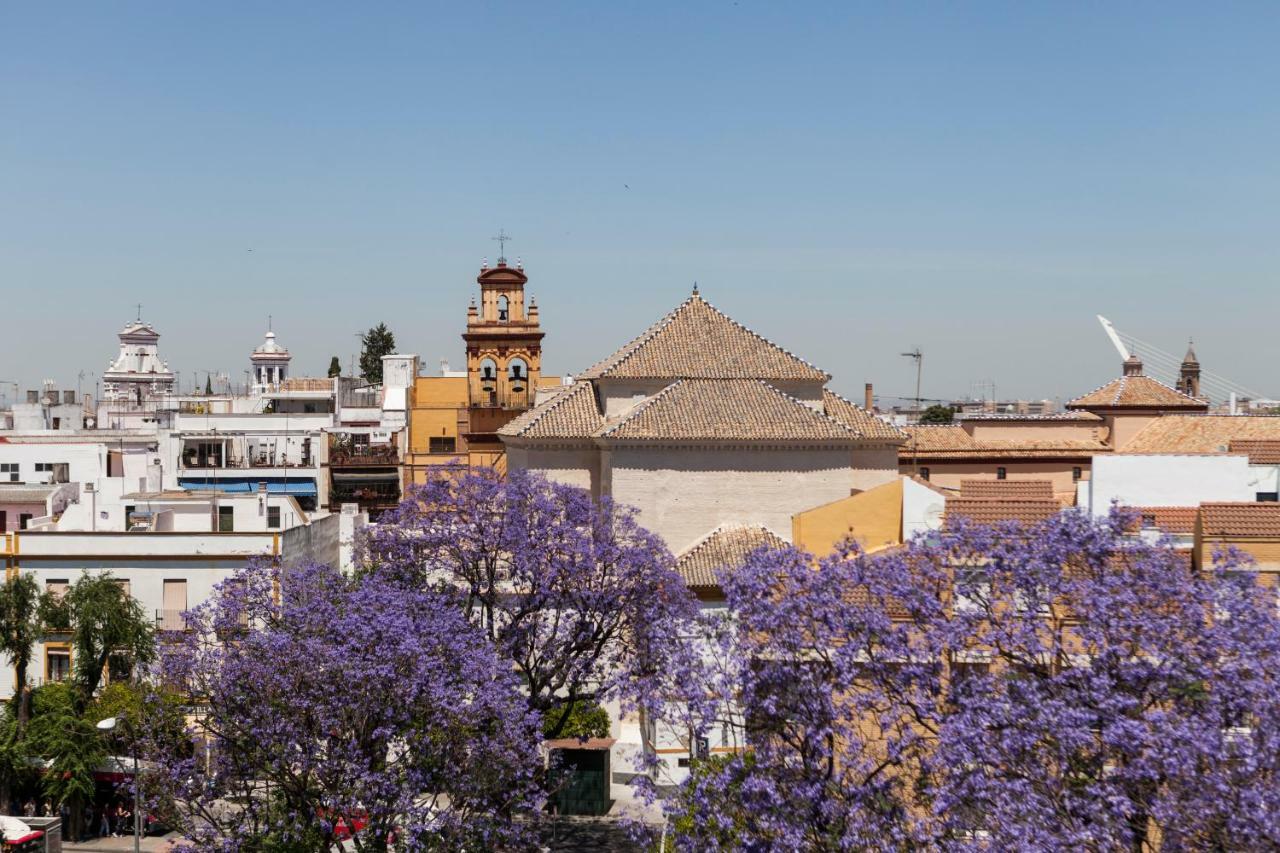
x=915, y=440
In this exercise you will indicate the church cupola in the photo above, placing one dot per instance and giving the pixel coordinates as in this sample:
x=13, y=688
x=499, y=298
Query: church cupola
x=1189, y=372
x=269, y=363
x=1133, y=365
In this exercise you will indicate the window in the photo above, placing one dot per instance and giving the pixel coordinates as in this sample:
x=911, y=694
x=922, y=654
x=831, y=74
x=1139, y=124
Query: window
x=1267, y=497
x=488, y=370
x=175, y=602
x=23, y=520
x=4, y=521
x=44, y=467
x=226, y=519
x=57, y=664
x=57, y=588
x=1076, y=473
x=442, y=444
x=504, y=307
x=518, y=369
x=924, y=473
x=1001, y=473
x=273, y=517
x=9, y=471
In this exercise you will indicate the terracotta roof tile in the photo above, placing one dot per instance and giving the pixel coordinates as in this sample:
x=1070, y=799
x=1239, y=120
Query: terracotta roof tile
x=1136, y=392
x=987, y=511
x=1203, y=433
x=571, y=413
x=1261, y=451
x=954, y=442
x=1007, y=490
x=1170, y=519
x=1240, y=519
x=1010, y=416
x=696, y=341
x=726, y=409
x=724, y=548
x=859, y=419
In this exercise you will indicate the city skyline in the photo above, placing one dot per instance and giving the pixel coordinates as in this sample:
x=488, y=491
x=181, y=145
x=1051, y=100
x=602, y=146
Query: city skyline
x=851, y=183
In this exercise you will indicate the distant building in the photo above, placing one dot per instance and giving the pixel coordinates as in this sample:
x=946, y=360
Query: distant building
x=137, y=373
x=1129, y=403
x=269, y=364
x=455, y=417
x=702, y=423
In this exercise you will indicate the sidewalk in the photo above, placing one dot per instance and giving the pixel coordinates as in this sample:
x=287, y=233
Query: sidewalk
x=154, y=844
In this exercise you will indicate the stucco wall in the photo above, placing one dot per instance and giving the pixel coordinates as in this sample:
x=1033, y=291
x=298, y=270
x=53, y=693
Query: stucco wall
x=873, y=468
x=1167, y=480
x=617, y=396
x=684, y=493
x=574, y=466
x=1033, y=430
x=948, y=475
x=872, y=518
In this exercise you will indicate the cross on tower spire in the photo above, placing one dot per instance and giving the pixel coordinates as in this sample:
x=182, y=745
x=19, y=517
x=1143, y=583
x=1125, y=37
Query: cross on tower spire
x=502, y=239
x=139, y=312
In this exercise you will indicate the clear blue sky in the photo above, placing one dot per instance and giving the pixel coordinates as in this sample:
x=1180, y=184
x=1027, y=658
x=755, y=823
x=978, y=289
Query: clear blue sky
x=848, y=179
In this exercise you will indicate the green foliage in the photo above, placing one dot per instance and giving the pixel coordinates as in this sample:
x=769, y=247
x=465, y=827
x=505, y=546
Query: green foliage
x=375, y=343
x=937, y=414
x=105, y=622
x=688, y=821
x=585, y=721
x=335, y=367
x=208, y=384
x=69, y=742
x=20, y=627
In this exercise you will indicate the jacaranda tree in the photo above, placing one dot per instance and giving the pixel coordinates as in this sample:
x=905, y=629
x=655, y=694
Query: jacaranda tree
x=325, y=704
x=581, y=599
x=1064, y=686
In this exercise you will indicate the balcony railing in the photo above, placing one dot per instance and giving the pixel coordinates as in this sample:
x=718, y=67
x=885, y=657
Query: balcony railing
x=196, y=463
x=171, y=620
x=363, y=454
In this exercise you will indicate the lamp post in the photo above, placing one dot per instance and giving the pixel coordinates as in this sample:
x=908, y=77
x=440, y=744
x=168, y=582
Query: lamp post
x=108, y=725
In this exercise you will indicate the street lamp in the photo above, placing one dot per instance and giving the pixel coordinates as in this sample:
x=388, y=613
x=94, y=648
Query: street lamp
x=108, y=725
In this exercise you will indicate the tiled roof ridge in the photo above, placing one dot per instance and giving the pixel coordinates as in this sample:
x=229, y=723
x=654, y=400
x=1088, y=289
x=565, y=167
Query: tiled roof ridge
x=670, y=389
x=537, y=413
x=636, y=410
x=723, y=528
x=869, y=413
x=627, y=351
x=1122, y=382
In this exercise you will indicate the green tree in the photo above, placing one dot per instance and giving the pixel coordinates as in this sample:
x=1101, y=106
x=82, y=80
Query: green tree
x=375, y=343
x=72, y=747
x=106, y=622
x=208, y=384
x=335, y=367
x=585, y=720
x=937, y=414
x=20, y=627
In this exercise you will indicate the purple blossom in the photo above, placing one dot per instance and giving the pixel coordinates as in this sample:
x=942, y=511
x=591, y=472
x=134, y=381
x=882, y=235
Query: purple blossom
x=1063, y=686
x=322, y=702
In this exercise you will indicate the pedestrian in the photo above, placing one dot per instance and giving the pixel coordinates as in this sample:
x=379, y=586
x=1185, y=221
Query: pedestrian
x=104, y=821
x=29, y=808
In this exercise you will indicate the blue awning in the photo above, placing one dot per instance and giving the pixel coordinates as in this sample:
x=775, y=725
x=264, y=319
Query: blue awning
x=240, y=485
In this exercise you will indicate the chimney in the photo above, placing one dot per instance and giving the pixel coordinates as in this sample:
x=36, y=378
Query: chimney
x=869, y=402
x=69, y=398
x=33, y=396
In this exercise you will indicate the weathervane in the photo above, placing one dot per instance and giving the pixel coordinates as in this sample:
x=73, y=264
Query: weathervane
x=502, y=239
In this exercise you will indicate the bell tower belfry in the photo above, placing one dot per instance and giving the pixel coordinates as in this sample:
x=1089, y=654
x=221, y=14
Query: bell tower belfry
x=504, y=356
x=1189, y=373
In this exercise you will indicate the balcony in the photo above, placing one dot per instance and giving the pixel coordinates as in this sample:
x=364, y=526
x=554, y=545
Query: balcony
x=194, y=462
x=346, y=455
x=171, y=621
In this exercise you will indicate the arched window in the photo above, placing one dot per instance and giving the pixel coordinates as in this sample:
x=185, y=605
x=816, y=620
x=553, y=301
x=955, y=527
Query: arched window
x=503, y=306
x=517, y=373
x=488, y=371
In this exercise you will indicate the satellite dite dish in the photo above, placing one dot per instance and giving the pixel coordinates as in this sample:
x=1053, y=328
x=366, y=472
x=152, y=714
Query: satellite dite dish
x=933, y=514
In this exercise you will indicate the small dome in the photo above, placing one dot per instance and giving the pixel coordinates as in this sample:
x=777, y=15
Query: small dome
x=269, y=346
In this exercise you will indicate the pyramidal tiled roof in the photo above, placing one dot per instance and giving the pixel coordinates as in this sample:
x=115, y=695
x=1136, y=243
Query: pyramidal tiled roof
x=858, y=419
x=1204, y=434
x=1136, y=392
x=696, y=341
x=571, y=413
x=727, y=409
x=725, y=547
